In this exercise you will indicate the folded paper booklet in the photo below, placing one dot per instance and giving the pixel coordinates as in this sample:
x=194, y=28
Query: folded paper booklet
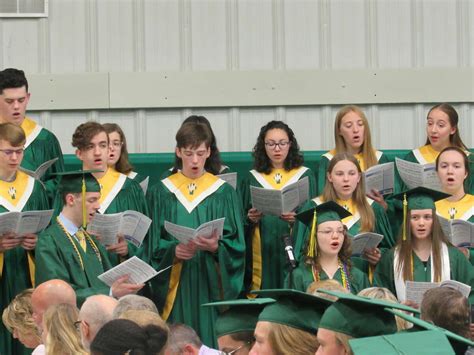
x=380, y=178
x=41, y=170
x=415, y=290
x=415, y=175
x=459, y=232
x=132, y=224
x=230, y=178
x=137, y=270
x=21, y=223
x=186, y=234
x=144, y=184
x=275, y=202
x=363, y=241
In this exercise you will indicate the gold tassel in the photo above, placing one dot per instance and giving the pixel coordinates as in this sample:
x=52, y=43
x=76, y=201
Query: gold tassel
x=312, y=238
x=84, y=218
x=405, y=208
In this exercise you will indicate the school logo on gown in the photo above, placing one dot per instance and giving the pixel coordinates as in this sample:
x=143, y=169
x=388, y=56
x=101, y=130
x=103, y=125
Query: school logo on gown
x=452, y=212
x=12, y=192
x=346, y=207
x=277, y=178
x=191, y=188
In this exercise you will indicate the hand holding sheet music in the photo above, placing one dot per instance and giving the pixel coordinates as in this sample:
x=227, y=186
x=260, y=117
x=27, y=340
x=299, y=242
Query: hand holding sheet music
x=186, y=234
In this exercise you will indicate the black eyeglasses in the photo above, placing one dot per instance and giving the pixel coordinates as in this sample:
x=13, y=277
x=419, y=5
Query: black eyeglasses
x=281, y=144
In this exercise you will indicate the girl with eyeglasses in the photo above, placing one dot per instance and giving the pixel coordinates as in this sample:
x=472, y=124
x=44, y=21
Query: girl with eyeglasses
x=118, y=152
x=277, y=163
x=345, y=186
x=327, y=252
x=352, y=136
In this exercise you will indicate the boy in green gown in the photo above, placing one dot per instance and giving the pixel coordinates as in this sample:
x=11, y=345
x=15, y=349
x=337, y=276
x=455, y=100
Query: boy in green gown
x=206, y=269
x=18, y=192
x=41, y=145
x=66, y=251
x=118, y=192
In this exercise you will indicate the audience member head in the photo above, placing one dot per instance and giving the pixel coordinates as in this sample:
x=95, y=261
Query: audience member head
x=213, y=163
x=193, y=141
x=442, y=127
x=447, y=308
x=12, y=141
x=182, y=340
x=345, y=166
x=118, y=151
x=95, y=312
x=133, y=302
x=382, y=293
x=352, y=134
x=330, y=285
x=92, y=146
x=60, y=334
x=122, y=336
x=276, y=148
x=14, y=96
x=144, y=318
x=18, y=319
x=50, y=293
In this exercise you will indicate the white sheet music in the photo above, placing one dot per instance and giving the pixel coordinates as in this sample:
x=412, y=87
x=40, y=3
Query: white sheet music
x=230, y=178
x=363, y=241
x=414, y=174
x=186, y=234
x=23, y=223
x=144, y=184
x=459, y=232
x=137, y=270
x=380, y=178
x=415, y=290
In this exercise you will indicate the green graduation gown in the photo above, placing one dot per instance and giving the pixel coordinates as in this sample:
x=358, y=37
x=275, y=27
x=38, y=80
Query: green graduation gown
x=42, y=146
x=382, y=226
x=15, y=275
x=59, y=257
x=266, y=260
x=326, y=159
x=303, y=276
x=207, y=277
x=461, y=270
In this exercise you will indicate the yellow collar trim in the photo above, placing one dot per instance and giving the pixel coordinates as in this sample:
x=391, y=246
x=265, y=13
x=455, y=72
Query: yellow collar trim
x=426, y=154
x=110, y=185
x=13, y=195
x=462, y=209
x=279, y=178
x=32, y=129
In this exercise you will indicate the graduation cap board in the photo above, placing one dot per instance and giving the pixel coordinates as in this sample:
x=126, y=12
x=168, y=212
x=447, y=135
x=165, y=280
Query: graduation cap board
x=325, y=212
x=79, y=181
x=241, y=315
x=428, y=342
x=458, y=342
x=419, y=198
x=294, y=308
x=359, y=316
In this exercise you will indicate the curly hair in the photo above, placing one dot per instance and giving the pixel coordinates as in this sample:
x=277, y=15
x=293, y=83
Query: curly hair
x=123, y=164
x=213, y=163
x=12, y=78
x=262, y=162
x=85, y=132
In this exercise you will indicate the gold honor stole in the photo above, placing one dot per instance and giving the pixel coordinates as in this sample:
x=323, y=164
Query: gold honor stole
x=462, y=209
x=190, y=193
x=110, y=185
x=378, y=154
x=277, y=180
x=13, y=196
x=349, y=206
x=32, y=130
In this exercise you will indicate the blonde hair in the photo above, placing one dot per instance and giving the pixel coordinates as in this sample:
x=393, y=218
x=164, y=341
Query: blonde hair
x=330, y=285
x=367, y=216
x=19, y=315
x=62, y=335
x=367, y=151
x=343, y=339
x=288, y=340
x=382, y=293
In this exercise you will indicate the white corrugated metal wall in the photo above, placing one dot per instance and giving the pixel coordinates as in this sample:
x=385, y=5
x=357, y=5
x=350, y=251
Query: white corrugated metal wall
x=231, y=35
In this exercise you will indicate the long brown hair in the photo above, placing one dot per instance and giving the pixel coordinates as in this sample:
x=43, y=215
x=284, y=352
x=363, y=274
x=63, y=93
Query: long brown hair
x=405, y=248
x=123, y=164
x=366, y=212
x=367, y=150
x=455, y=138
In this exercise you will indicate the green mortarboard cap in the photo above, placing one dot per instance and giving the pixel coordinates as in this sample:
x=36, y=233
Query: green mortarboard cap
x=429, y=342
x=294, y=308
x=241, y=315
x=71, y=181
x=458, y=342
x=421, y=198
x=325, y=212
x=359, y=316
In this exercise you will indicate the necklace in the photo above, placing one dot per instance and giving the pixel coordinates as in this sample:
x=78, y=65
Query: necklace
x=344, y=274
